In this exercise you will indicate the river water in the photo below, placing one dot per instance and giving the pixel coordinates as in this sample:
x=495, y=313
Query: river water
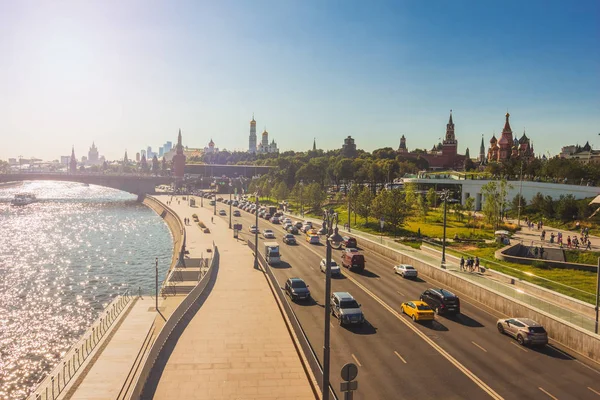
x=62, y=259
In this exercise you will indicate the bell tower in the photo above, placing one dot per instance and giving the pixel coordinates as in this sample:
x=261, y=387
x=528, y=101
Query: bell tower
x=450, y=144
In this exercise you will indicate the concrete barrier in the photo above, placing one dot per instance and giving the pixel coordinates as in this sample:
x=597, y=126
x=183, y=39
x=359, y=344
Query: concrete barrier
x=541, y=292
x=171, y=324
x=578, y=339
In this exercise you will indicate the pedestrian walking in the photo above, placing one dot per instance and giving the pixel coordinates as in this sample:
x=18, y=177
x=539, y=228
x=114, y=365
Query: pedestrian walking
x=462, y=263
x=569, y=242
x=477, y=264
x=589, y=245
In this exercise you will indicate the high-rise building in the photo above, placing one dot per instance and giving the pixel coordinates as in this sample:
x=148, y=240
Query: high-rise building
x=167, y=147
x=93, y=156
x=73, y=161
x=160, y=151
x=252, y=139
x=149, y=153
x=138, y=157
x=143, y=153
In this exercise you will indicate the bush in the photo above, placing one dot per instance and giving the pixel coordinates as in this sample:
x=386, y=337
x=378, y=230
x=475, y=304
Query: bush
x=540, y=265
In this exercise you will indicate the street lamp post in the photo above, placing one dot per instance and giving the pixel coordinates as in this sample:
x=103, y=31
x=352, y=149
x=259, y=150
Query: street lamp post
x=256, y=234
x=229, y=204
x=329, y=218
x=444, y=197
x=201, y=192
x=348, y=195
x=597, y=294
x=156, y=285
x=520, y=195
x=301, y=204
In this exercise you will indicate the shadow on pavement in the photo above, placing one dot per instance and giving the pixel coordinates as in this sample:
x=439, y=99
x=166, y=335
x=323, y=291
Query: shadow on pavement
x=434, y=325
x=464, y=320
x=339, y=276
x=365, y=329
x=306, y=303
x=281, y=265
x=551, y=351
x=367, y=273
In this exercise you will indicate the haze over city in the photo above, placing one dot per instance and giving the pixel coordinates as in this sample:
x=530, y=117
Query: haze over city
x=128, y=74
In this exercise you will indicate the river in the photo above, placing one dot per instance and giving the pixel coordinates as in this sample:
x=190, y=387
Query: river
x=62, y=259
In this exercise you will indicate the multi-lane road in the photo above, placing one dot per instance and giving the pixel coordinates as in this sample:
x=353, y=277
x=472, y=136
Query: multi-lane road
x=461, y=357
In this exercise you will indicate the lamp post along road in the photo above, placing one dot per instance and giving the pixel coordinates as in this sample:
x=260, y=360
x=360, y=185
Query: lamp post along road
x=156, y=285
x=329, y=218
x=229, y=205
x=444, y=197
x=256, y=234
x=597, y=294
x=348, y=195
x=520, y=196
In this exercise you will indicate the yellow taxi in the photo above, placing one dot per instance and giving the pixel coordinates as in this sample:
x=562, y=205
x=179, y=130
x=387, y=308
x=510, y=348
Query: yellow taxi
x=417, y=310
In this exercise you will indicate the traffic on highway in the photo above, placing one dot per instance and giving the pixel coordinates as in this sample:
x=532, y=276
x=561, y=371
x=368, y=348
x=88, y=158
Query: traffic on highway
x=410, y=338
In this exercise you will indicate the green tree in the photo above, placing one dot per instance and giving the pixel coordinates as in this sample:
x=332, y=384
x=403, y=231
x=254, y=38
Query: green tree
x=155, y=165
x=391, y=206
x=516, y=201
x=431, y=198
x=494, y=203
x=410, y=194
x=537, y=202
x=422, y=207
x=353, y=195
x=567, y=208
x=144, y=164
x=315, y=196
x=280, y=191
x=363, y=203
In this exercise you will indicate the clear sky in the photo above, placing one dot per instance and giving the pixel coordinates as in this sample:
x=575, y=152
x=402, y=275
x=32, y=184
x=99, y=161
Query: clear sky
x=127, y=74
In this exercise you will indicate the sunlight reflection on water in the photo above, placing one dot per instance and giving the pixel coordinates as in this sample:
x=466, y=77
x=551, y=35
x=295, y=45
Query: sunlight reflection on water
x=62, y=259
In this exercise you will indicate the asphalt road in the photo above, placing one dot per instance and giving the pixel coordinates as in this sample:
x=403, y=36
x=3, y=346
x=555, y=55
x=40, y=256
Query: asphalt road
x=454, y=357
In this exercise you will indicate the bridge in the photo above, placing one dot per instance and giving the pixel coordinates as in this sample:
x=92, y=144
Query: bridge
x=132, y=183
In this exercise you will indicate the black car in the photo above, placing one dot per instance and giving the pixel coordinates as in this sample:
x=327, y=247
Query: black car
x=441, y=301
x=297, y=289
x=292, y=229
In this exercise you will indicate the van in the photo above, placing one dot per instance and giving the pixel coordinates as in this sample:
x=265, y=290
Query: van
x=353, y=261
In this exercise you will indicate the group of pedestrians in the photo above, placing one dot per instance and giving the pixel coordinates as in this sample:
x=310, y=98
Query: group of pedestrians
x=470, y=264
x=530, y=224
x=186, y=221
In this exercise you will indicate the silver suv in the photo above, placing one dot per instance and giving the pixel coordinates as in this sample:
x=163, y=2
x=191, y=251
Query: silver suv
x=346, y=309
x=525, y=330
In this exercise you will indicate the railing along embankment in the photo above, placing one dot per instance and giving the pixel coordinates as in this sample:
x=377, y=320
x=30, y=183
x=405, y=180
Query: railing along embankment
x=79, y=355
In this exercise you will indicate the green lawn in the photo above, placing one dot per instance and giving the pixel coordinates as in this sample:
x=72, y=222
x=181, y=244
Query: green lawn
x=581, y=280
x=582, y=257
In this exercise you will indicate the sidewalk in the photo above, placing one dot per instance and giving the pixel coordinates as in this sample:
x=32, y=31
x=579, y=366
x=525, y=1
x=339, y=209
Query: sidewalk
x=237, y=345
x=534, y=235
x=485, y=280
x=110, y=371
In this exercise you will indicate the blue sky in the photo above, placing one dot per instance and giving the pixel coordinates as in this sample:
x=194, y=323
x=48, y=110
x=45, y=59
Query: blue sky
x=127, y=74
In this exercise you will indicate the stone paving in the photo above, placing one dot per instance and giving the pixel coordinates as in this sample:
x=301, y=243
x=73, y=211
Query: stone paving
x=237, y=345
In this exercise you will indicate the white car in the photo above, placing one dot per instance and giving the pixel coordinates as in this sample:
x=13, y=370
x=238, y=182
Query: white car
x=287, y=221
x=253, y=229
x=286, y=226
x=406, y=271
x=335, y=269
x=268, y=234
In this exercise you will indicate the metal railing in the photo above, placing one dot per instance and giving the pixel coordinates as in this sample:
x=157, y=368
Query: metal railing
x=307, y=348
x=58, y=379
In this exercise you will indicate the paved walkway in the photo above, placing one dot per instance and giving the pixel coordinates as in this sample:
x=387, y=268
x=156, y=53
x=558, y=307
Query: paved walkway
x=108, y=374
x=534, y=235
x=237, y=345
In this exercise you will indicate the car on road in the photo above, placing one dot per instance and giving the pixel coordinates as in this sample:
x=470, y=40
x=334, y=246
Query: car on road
x=298, y=224
x=525, y=330
x=346, y=309
x=297, y=289
x=267, y=216
x=237, y=213
x=287, y=220
x=349, y=242
x=417, y=310
x=313, y=239
x=253, y=229
x=441, y=301
x=292, y=229
x=306, y=228
x=354, y=261
x=275, y=220
x=212, y=203
x=286, y=225
x=222, y=212
x=268, y=234
x=289, y=239
x=335, y=268
x=406, y=271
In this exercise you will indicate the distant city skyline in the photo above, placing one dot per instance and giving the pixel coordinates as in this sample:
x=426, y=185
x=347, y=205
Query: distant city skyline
x=126, y=77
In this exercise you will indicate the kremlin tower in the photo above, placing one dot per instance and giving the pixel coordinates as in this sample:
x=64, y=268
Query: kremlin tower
x=179, y=160
x=252, y=140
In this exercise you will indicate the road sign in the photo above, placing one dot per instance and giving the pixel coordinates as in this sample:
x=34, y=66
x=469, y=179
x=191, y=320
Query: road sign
x=237, y=226
x=349, y=371
x=381, y=223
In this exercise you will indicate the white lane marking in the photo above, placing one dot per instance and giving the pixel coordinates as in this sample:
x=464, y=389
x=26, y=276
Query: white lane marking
x=479, y=346
x=356, y=359
x=598, y=393
x=549, y=395
x=401, y=294
x=484, y=386
x=518, y=346
x=400, y=357
x=331, y=324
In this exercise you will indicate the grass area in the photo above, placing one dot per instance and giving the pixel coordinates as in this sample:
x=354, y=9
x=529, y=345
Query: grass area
x=431, y=226
x=581, y=280
x=415, y=244
x=582, y=257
